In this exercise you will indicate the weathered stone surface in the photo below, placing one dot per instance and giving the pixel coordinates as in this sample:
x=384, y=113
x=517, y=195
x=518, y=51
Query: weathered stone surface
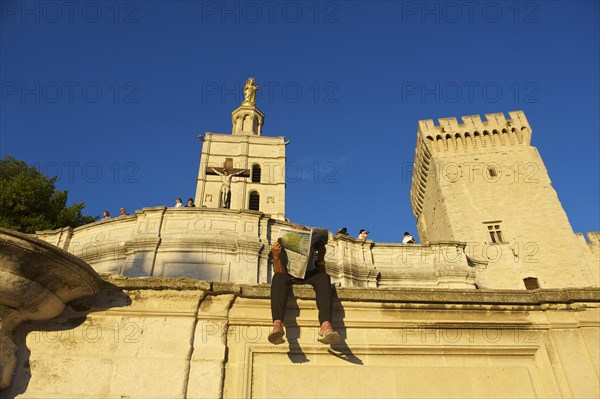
x=408, y=295
x=36, y=280
x=158, y=283
x=138, y=338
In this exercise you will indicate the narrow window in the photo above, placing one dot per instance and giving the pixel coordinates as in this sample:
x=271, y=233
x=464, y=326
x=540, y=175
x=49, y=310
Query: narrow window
x=495, y=232
x=492, y=171
x=254, y=201
x=531, y=283
x=498, y=233
x=256, y=173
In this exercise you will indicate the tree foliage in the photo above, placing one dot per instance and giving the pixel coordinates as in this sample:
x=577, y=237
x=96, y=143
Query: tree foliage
x=29, y=202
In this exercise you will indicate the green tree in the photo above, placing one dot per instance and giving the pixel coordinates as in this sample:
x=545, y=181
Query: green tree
x=29, y=202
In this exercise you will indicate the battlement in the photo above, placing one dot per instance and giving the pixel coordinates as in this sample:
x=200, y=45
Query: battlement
x=593, y=237
x=474, y=133
x=473, y=123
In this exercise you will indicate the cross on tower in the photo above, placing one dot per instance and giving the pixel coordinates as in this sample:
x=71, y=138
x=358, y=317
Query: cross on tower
x=227, y=172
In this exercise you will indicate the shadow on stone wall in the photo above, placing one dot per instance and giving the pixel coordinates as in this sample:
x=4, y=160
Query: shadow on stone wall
x=292, y=332
x=340, y=350
x=61, y=332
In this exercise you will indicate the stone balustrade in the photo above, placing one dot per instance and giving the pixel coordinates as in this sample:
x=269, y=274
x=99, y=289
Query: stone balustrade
x=233, y=246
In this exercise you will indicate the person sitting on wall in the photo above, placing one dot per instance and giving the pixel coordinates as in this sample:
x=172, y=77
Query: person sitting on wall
x=343, y=231
x=315, y=276
x=363, y=234
x=408, y=239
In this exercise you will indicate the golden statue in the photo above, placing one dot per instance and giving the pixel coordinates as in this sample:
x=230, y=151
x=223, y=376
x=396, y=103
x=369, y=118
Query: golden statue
x=250, y=92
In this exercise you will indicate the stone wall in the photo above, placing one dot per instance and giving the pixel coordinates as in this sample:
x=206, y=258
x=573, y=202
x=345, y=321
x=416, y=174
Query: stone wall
x=181, y=338
x=36, y=281
x=225, y=245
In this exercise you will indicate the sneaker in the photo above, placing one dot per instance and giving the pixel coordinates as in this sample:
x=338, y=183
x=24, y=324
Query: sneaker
x=329, y=338
x=327, y=335
x=276, y=336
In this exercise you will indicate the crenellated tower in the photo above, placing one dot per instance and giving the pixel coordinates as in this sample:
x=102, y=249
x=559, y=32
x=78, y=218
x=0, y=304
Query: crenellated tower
x=481, y=182
x=251, y=164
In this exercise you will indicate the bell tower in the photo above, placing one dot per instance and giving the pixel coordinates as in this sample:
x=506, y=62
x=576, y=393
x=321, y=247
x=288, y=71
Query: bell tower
x=481, y=182
x=243, y=170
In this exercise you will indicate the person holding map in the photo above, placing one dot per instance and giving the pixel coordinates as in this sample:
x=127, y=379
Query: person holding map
x=314, y=275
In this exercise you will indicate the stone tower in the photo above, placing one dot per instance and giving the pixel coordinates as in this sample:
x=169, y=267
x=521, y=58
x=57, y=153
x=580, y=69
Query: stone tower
x=255, y=163
x=481, y=182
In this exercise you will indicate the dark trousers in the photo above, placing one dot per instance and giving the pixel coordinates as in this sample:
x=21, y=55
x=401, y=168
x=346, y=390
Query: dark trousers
x=321, y=283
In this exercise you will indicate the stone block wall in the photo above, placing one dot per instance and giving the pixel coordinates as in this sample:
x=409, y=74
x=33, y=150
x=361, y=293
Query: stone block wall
x=182, y=338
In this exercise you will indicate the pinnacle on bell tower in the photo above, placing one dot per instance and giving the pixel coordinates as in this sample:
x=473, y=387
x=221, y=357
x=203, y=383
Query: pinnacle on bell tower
x=247, y=119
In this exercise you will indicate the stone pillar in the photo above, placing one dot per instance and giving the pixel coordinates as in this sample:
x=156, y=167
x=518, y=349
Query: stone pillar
x=210, y=345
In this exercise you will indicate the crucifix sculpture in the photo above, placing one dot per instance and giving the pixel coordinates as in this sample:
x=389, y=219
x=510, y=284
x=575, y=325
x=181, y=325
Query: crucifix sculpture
x=227, y=172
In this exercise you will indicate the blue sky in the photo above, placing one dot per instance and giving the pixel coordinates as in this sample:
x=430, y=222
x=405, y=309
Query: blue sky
x=110, y=96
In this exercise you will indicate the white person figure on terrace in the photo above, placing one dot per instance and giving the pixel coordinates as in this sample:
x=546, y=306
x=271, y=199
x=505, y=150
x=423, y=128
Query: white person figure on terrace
x=408, y=239
x=226, y=186
x=363, y=234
